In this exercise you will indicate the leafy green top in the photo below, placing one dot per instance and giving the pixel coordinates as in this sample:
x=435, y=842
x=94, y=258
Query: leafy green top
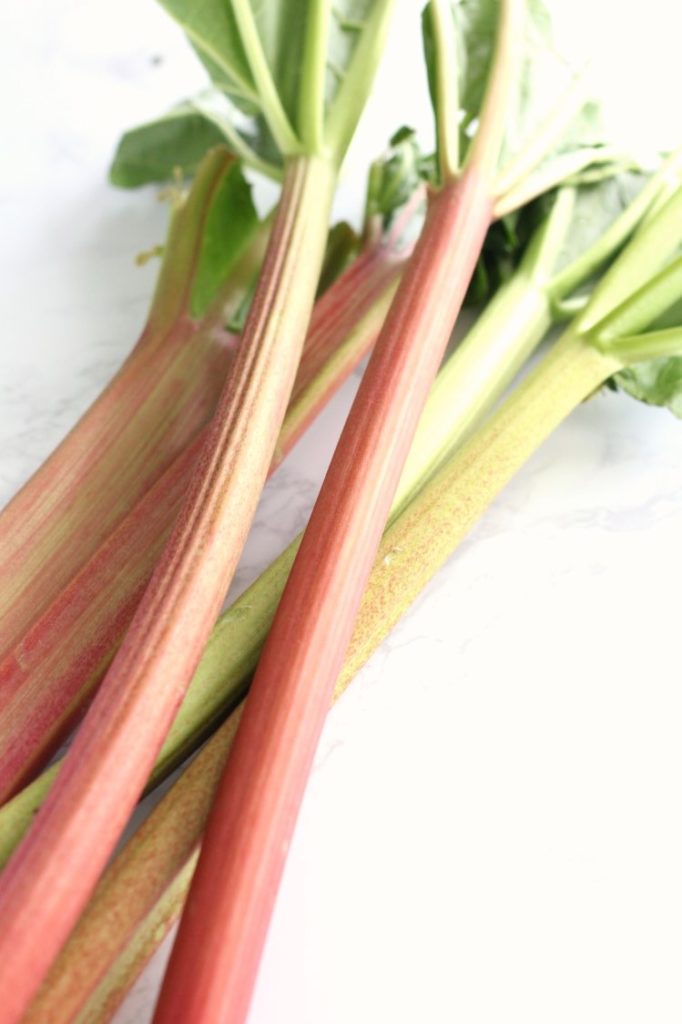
x=288, y=77
x=635, y=311
x=654, y=381
x=213, y=242
x=554, y=131
x=229, y=224
x=393, y=181
x=395, y=206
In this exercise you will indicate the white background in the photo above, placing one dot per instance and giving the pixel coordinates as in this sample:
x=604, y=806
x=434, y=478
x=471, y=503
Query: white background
x=492, y=829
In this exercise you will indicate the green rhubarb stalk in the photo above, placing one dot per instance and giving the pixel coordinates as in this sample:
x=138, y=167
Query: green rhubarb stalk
x=142, y=892
x=508, y=330
x=523, y=309
x=116, y=745
x=162, y=396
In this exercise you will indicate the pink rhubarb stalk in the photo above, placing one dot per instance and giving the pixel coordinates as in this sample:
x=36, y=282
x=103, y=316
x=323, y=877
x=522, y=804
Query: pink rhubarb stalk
x=162, y=396
x=49, y=879
x=244, y=851
x=57, y=664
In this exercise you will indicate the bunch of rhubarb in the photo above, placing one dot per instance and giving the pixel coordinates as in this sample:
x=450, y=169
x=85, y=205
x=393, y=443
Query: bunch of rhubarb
x=117, y=635
x=125, y=922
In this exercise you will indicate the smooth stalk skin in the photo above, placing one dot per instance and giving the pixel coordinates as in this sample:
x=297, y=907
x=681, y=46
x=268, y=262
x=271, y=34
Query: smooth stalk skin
x=255, y=811
x=164, y=393
x=50, y=877
x=58, y=663
x=240, y=867
x=141, y=894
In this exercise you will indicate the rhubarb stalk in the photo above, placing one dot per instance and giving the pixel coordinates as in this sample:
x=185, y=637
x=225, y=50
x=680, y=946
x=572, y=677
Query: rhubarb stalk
x=52, y=670
x=112, y=753
x=254, y=814
x=142, y=892
x=558, y=260
x=240, y=866
x=163, y=395
x=116, y=745
x=583, y=229
x=59, y=661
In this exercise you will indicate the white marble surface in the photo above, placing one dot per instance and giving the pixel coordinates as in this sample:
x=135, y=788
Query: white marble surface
x=492, y=829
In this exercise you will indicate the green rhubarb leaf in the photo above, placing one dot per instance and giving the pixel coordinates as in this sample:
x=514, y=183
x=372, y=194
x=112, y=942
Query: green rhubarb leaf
x=342, y=247
x=357, y=32
x=578, y=155
x=231, y=222
x=253, y=52
x=236, y=41
x=287, y=77
x=393, y=181
x=596, y=208
x=214, y=237
x=213, y=30
x=552, y=134
x=576, y=230
x=656, y=382
x=556, y=130
x=157, y=151
x=463, y=33
x=395, y=205
x=475, y=25
x=547, y=78
x=350, y=18
x=503, y=247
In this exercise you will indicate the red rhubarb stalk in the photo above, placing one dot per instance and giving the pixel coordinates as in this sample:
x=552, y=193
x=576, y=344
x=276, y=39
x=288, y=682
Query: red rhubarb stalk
x=243, y=855
x=48, y=881
x=58, y=663
x=162, y=396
